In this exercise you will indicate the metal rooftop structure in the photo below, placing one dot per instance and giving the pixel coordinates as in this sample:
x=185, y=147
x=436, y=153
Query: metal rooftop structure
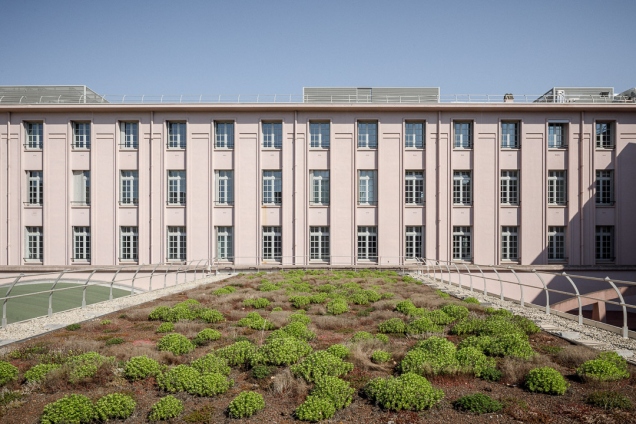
x=578, y=95
x=38, y=94
x=371, y=95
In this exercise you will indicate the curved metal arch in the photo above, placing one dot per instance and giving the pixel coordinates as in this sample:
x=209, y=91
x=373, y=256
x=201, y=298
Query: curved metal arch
x=620, y=296
x=520, y=286
x=469, y=276
x=547, y=293
x=578, y=297
x=484, y=280
x=57, y=280
x=501, y=296
x=4, y=302
x=84, y=289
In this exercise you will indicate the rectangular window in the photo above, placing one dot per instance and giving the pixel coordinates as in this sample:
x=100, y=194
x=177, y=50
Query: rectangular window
x=368, y=243
x=272, y=188
x=557, y=188
x=556, y=243
x=509, y=244
x=176, y=187
x=462, y=188
x=319, y=135
x=319, y=187
x=463, y=135
x=81, y=243
x=413, y=242
x=33, y=244
x=368, y=135
x=510, y=135
x=509, y=187
x=129, y=188
x=224, y=244
x=462, y=244
x=224, y=187
x=224, y=135
x=604, y=135
x=35, y=187
x=129, y=135
x=81, y=188
x=319, y=243
x=414, y=135
x=605, y=187
x=272, y=135
x=556, y=136
x=81, y=135
x=604, y=243
x=272, y=244
x=34, y=135
x=176, y=135
x=128, y=243
x=367, y=183
x=176, y=243
x=414, y=187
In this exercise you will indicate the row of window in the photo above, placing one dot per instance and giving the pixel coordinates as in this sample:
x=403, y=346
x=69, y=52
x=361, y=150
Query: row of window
x=319, y=135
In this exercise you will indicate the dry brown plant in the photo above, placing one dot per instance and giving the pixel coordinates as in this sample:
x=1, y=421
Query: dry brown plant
x=139, y=314
x=573, y=356
x=383, y=315
x=317, y=310
x=514, y=370
x=285, y=383
x=279, y=318
x=331, y=322
x=189, y=328
x=385, y=305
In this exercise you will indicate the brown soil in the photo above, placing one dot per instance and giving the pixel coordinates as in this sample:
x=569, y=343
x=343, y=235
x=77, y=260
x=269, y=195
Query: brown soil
x=282, y=392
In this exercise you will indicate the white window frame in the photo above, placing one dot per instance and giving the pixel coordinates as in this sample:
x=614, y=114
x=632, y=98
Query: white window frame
x=319, y=244
x=414, y=134
x=33, y=244
x=128, y=244
x=272, y=133
x=605, y=187
x=557, y=135
x=510, y=243
x=129, y=133
x=272, y=188
x=177, y=135
x=34, y=135
x=413, y=242
x=368, y=243
x=605, y=243
x=35, y=188
x=82, y=244
x=177, y=187
x=224, y=187
x=224, y=244
x=463, y=134
x=367, y=187
x=224, y=134
x=176, y=244
x=462, y=187
x=509, y=184
x=556, y=243
x=557, y=187
x=604, y=135
x=319, y=135
x=272, y=244
x=510, y=134
x=319, y=187
x=414, y=188
x=81, y=188
x=81, y=135
x=462, y=243
x=128, y=187
x=367, y=134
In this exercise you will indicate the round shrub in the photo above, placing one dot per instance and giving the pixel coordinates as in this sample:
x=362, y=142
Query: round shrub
x=177, y=379
x=609, y=400
x=320, y=364
x=258, y=303
x=224, y=290
x=473, y=360
x=176, y=343
x=8, y=372
x=260, y=371
x=338, y=391
x=380, y=356
x=339, y=351
x=318, y=298
x=372, y=295
x=299, y=301
x=140, y=367
x=422, y=325
x=512, y=344
x=479, y=342
x=337, y=307
x=392, y=326
x=299, y=317
x=209, y=384
x=435, y=355
x=165, y=327
x=85, y=365
x=159, y=313
x=277, y=309
x=206, y=335
x=408, y=391
x=478, y=403
x=439, y=317
x=281, y=351
x=71, y=409
x=315, y=408
x=255, y=321
x=359, y=298
x=609, y=366
x=382, y=337
x=456, y=312
x=267, y=286
x=546, y=380
x=211, y=363
x=296, y=329
x=246, y=404
x=211, y=316
x=406, y=307
x=237, y=353
x=471, y=299
x=114, y=406
x=361, y=335
x=467, y=326
x=38, y=372
x=498, y=325
x=167, y=407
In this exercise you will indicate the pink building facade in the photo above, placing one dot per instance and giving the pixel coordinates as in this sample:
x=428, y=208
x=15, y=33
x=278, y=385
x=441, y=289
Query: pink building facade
x=302, y=183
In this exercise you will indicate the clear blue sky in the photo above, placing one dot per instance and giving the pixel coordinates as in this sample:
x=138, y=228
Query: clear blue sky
x=277, y=47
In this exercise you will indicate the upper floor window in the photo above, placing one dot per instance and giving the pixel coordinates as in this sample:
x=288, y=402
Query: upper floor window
x=224, y=187
x=35, y=187
x=81, y=135
x=128, y=243
x=272, y=135
x=319, y=135
x=272, y=244
x=176, y=135
x=34, y=135
x=604, y=135
x=319, y=187
x=604, y=243
x=556, y=243
x=224, y=135
x=510, y=135
x=34, y=246
x=414, y=187
x=413, y=242
x=368, y=243
x=81, y=243
x=128, y=187
x=176, y=187
x=368, y=134
x=367, y=183
x=509, y=187
x=605, y=187
x=414, y=135
x=509, y=244
x=272, y=188
x=129, y=135
x=81, y=188
x=557, y=187
x=319, y=243
x=224, y=244
x=462, y=243
x=462, y=188
x=176, y=243
x=556, y=135
x=463, y=135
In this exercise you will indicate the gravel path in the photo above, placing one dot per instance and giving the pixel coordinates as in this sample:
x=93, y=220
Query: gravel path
x=23, y=330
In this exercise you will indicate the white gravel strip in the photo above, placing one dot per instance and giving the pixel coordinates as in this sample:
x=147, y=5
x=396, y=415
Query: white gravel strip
x=37, y=326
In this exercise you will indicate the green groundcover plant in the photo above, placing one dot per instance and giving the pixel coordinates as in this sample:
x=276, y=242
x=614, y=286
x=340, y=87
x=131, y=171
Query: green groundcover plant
x=546, y=380
x=478, y=403
x=320, y=364
x=246, y=404
x=38, y=372
x=8, y=372
x=140, y=367
x=408, y=391
x=114, y=406
x=609, y=366
x=176, y=343
x=166, y=408
x=71, y=409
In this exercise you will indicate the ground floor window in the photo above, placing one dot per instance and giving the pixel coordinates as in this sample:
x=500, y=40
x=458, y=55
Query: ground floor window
x=319, y=243
x=368, y=243
x=224, y=244
x=272, y=244
x=462, y=243
x=176, y=243
x=413, y=240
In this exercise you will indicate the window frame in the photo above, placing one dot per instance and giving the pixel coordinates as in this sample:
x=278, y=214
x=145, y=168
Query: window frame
x=509, y=187
x=317, y=138
x=458, y=134
x=128, y=187
x=84, y=191
x=33, y=244
x=81, y=131
x=366, y=139
x=556, y=140
x=506, y=133
x=176, y=243
x=177, y=187
x=272, y=186
x=367, y=246
x=128, y=243
x=272, y=135
x=224, y=243
x=81, y=244
x=605, y=140
x=35, y=188
x=462, y=247
x=129, y=135
x=33, y=140
x=367, y=187
x=415, y=143
x=224, y=187
x=271, y=244
x=604, y=187
x=462, y=192
x=177, y=140
x=227, y=141
x=414, y=188
x=557, y=187
x=510, y=243
x=557, y=243
x=319, y=244
x=319, y=194
x=605, y=243
x=413, y=236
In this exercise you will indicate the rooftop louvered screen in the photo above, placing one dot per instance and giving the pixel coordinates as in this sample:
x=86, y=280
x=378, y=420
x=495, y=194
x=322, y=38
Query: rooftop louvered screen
x=578, y=95
x=371, y=95
x=37, y=94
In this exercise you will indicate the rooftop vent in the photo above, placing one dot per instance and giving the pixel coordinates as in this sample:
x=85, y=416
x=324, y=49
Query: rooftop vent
x=371, y=95
x=37, y=94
